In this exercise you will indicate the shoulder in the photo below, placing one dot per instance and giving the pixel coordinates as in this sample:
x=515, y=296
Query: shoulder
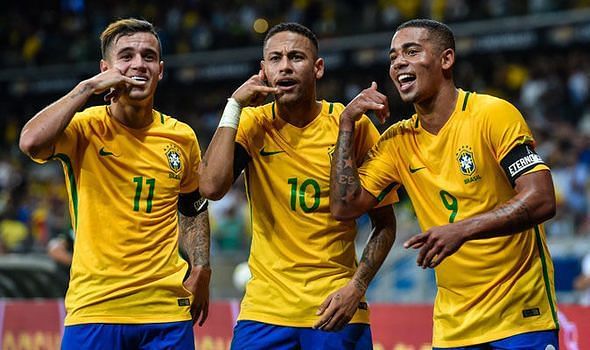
x=401, y=128
x=490, y=105
x=334, y=109
x=171, y=123
x=259, y=115
x=91, y=114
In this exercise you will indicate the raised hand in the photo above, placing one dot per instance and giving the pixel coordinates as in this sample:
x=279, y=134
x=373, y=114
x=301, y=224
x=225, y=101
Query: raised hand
x=254, y=91
x=114, y=80
x=370, y=99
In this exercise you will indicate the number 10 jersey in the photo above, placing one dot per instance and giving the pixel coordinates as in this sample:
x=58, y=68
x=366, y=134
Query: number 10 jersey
x=300, y=254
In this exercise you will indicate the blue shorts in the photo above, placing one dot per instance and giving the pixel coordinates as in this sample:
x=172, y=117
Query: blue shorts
x=149, y=336
x=251, y=335
x=530, y=341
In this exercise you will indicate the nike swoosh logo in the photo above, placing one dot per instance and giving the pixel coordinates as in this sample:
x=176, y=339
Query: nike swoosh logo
x=413, y=170
x=104, y=153
x=269, y=153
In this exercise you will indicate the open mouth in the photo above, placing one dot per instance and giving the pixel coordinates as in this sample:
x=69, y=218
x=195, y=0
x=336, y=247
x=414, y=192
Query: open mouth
x=286, y=84
x=405, y=80
x=139, y=78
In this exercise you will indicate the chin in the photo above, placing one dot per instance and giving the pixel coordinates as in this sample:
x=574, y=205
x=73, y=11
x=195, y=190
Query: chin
x=287, y=99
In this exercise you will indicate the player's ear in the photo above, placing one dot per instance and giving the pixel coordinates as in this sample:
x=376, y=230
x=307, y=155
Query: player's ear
x=447, y=59
x=263, y=73
x=318, y=68
x=161, y=74
x=104, y=65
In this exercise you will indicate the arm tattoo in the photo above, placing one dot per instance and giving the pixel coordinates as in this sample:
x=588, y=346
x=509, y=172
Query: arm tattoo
x=194, y=238
x=377, y=248
x=516, y=214
x=347, y=185
x=81, y=92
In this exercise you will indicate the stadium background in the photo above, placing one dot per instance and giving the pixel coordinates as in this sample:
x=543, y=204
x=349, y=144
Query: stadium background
x=534, y=53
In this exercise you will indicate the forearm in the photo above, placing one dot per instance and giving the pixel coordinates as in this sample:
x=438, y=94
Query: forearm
x=40, y=133
x=344, y=179
x=379, y=244
x=216, y=168
x=532, y=205
x=195, y=238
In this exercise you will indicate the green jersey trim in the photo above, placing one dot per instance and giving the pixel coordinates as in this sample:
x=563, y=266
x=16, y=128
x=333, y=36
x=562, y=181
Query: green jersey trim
x=72, y=179
x=546, y=276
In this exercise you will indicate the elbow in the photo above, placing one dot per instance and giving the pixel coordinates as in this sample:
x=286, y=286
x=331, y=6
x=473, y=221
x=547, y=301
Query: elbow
x=212, y=191
x=27, y=144
x=545, y=210
x=340, y=213
x=549, y=209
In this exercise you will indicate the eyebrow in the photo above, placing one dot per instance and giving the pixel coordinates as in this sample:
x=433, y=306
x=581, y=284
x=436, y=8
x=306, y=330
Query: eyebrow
x=404, y=46
x=131, y=48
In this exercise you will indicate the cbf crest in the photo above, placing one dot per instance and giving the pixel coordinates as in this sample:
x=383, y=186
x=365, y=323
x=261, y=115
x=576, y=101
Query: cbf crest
x=173, y=156
x=466, y=160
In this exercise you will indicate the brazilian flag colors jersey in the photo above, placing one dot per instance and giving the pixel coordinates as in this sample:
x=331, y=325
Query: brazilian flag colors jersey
x=490, y=288
x=299, y=254
x=123, y=185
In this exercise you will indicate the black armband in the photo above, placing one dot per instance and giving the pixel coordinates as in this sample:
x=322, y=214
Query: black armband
x=241, y=159
x=519, y=160
x=192, y=204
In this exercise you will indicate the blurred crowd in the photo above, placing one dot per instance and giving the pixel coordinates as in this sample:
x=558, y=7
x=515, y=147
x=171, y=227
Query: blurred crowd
x=66, y=31
x=551, y=88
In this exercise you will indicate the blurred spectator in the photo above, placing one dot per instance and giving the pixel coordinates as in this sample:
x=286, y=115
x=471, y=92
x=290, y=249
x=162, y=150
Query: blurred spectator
x=582, y=282
x=228, y=220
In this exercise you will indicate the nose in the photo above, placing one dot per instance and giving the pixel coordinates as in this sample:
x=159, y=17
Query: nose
x=285, y=64
x=138, y=62
x=398, y=63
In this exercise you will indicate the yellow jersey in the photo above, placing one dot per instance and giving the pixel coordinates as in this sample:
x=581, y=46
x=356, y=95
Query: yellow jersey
x=299, y=254
x=490, y=288
x=123, y=187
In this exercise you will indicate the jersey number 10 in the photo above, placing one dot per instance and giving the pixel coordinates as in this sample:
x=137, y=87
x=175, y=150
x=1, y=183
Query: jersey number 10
x=300, y=193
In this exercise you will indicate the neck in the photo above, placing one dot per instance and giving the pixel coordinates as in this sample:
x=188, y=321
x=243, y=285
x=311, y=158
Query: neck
x=299, y=114
x=132, y=116
x=436, y=111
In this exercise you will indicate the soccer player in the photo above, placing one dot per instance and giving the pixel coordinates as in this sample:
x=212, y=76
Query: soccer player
x=480, y=192
x=131, y=175
x=306, y=291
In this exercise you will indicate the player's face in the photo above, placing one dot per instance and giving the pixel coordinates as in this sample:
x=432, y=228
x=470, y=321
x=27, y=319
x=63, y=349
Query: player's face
x=290, y=64
x=415, y=68
x=137, y=56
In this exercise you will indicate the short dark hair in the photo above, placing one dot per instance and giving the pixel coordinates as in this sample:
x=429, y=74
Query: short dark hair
x=126, y=26
x=444, y=35
x=295, y=28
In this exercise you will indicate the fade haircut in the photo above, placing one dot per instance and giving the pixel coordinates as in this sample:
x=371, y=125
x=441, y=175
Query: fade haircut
x=442, y=34
x=126, y=26
x=294, y=28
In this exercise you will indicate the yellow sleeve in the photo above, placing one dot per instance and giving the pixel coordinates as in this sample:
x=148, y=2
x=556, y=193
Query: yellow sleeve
x=247, y=123
x=378, y=173
x=506, y=128
x=190, y=180
x=67, y=142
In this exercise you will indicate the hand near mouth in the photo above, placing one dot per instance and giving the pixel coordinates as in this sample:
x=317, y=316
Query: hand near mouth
x=113, y=80
x=254, y=91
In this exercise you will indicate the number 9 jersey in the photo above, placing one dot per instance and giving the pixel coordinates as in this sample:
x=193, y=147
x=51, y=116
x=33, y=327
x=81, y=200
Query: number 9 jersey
x=123, y=186
x=490, y=288
x=299, y=254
